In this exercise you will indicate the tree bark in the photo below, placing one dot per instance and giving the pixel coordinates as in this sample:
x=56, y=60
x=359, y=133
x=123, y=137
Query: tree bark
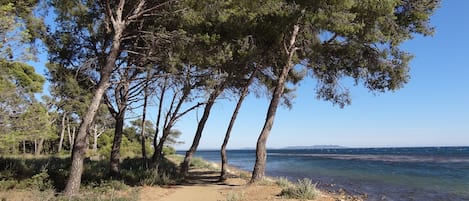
x=114, y=168
x=198, y=134
x=95, y=139
x=261, y=153
x=79, y=147
x=62, y=133
x=224, y=158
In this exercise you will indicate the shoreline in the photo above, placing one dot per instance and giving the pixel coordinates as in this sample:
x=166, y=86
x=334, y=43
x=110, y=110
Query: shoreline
x=326, y=189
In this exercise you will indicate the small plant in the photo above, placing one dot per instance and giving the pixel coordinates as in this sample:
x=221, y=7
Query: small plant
x=234, y=197
x=283, y=182
x=304, y=189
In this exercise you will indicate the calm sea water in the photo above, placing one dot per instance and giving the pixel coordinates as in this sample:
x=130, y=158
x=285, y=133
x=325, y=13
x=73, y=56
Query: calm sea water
x=421, y=174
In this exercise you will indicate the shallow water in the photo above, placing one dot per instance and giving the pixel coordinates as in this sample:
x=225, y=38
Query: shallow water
x=421, y=174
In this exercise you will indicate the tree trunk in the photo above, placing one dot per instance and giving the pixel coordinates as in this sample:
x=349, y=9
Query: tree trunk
x=62, y=133
x=198, y=134
x=78, y=153
x=95, y=139
x=35, y=146
x=159, y=147
x=261, y=153
x=39, y=147
x=142, y=132
x=116, y=145
x=158, y=120
x=224, y=158
x=73, y=136
x=70, y=141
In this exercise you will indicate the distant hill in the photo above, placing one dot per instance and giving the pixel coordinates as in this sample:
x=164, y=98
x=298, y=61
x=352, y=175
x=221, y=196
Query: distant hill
x=316, y=147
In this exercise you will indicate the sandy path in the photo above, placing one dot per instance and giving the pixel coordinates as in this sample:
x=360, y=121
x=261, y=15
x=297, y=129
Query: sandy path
x=202, y=185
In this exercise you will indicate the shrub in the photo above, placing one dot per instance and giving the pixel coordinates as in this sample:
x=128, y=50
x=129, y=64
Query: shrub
x=304, y=189
x=39, y=181
x=283, y=182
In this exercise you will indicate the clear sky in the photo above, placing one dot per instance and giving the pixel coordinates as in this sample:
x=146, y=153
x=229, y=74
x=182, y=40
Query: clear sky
x=431, y=110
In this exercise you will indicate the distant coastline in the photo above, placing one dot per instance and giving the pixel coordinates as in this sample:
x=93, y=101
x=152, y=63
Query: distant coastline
x=316, y=147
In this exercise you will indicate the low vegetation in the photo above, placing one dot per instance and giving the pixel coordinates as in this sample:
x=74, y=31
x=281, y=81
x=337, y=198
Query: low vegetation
x=44, y=178
x=304, y=189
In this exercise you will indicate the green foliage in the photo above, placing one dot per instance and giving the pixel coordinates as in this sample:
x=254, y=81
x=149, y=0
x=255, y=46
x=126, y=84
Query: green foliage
x=304, y=189
x=22, y=117
x=20, y=26
x=168, y=151
x=21, y=75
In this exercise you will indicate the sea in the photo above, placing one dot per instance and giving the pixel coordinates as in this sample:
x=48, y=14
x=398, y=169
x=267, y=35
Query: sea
x=391, y=174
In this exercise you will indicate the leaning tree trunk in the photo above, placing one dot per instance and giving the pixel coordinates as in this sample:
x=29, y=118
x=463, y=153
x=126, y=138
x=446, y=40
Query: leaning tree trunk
x=198, y=134
x=79, y=147
x=261, y=153
x=224, y=158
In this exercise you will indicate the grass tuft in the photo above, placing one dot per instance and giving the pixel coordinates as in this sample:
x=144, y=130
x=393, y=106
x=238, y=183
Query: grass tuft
x=304, y=189
x=283, y=182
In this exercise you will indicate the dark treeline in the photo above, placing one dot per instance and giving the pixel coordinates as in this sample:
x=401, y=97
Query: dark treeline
x=107, y=59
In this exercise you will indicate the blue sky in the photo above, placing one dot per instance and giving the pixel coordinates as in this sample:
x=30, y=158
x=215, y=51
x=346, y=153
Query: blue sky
x=431, y=110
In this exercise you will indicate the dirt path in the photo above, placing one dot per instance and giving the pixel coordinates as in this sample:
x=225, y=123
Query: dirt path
x=201, y=185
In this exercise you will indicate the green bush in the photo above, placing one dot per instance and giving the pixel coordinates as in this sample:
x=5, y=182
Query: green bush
x=304, y=189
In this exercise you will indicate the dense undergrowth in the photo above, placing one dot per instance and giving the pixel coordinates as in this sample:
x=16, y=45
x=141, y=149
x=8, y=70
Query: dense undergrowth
x=45, y=178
